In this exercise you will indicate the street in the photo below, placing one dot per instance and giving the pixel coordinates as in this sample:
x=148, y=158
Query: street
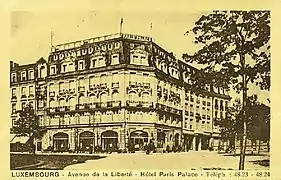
x=169, y=161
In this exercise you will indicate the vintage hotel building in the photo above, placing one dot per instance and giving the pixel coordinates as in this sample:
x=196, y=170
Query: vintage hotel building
x=116, y=90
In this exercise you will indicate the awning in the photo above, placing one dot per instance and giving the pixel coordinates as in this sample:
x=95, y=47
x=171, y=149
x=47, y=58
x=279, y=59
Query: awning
x=20, y=139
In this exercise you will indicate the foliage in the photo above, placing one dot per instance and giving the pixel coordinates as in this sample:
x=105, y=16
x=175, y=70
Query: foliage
x=27, y=122
x=258, y=120
x=235, y=44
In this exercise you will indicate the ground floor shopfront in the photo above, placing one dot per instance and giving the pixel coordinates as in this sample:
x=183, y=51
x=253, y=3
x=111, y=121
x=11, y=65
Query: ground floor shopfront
x=116, y=137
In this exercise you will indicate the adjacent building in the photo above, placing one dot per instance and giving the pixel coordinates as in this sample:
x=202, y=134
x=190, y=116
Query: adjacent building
x=116, y=91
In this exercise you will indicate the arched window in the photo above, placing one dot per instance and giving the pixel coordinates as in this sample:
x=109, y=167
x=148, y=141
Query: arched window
x=115, y=96
x=72, y=103
x=133, y=96
x=145, y=96
x=42, y=72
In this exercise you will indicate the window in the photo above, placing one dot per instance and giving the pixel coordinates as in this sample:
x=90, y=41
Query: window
x=23, y=76
x=40, y=104
x=42, y=72
x=14, y=77
x=31, y=74
x=53, y=70
x=81, y=65
x=145, y=74
x=23, y=91
x=115, y=59
x=208, y=104
x=216, y=114
x=13, y=107
x=13, y=92
x=93, y=63
x=23, y=105
x=31, y=90
x=31, y=104
x=190, y=126
x=64, y=67
x=117, y=45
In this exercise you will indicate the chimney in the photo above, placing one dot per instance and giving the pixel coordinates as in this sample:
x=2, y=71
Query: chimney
x=11, y=64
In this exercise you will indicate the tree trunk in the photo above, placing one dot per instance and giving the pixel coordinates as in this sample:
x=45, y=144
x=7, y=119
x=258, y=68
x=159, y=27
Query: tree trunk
x=244, y=139
x=259, y=147
x=235, y=144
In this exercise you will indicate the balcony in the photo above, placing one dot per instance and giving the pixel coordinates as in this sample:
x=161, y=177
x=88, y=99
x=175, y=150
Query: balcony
x=144, y=104
x=146, y=85
x=14, y=98
x=23, y=96
x=132, y=103
x=62, y=92
x=63, y=108
x=115, y=85
x=72, y=91
x=103, y=86
x=31, y=96
x=52, y=109
x=113, y=103
x=103, y=104
x=81, y=106
x=81, y=89
x=52, y=94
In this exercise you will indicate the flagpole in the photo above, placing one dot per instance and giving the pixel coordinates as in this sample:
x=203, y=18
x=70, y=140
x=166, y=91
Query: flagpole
x=121, y=25
x=52, y=34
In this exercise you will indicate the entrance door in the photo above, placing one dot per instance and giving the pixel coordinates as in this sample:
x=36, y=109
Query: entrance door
x=109, y=140
x=86, y=140
x=160, y=139
x=39, y=146
x=61, y=142
x=177, y=139
x=139, y=139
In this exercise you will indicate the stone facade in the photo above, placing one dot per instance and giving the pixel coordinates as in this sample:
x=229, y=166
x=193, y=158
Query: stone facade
x=116, y=91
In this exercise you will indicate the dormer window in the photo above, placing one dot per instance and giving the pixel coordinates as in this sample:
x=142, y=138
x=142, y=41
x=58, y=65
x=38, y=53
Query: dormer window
x=53, y=70
x=23, y=76
x=31, y=74
x=115, y=59
x=81, y=65
x=64, y=67
x=117, y=45
x=93, y=63
x=14, y=79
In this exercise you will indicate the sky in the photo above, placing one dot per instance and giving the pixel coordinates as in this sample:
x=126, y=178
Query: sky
x=31, y=31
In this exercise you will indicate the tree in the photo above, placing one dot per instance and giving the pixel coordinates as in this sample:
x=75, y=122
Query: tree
x=27, y=124
x=258, y=121
x=235, y=52
x=231, y=125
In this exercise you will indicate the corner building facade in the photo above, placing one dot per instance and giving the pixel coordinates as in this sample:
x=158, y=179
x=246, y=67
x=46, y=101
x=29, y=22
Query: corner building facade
x=117, y=91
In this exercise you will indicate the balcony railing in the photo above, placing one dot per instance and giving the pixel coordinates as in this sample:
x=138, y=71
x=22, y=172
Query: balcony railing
x=72, y=91
x=139, y=103
x=52, y=94
x=23, y=96
x=31, y=96
x=115, y=85
x=81, y=88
